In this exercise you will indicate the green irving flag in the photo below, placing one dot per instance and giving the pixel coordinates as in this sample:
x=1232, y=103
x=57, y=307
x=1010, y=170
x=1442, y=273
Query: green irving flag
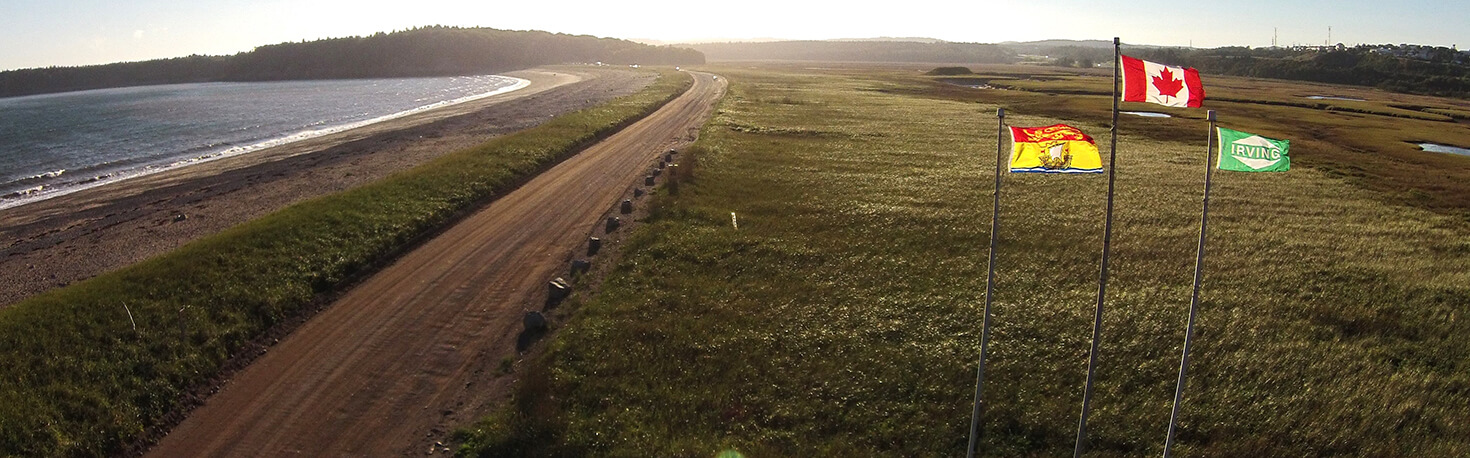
x=1245, y=152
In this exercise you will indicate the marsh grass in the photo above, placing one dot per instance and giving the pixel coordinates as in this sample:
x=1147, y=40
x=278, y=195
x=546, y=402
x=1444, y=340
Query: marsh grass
x=76, y=377
x=842, y=317
x=1369, y=142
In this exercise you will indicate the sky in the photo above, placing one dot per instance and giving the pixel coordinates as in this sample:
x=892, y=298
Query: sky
x=41, y=33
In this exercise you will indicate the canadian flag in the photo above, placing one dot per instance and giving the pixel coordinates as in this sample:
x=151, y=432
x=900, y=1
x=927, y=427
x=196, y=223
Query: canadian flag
x=1145, y=81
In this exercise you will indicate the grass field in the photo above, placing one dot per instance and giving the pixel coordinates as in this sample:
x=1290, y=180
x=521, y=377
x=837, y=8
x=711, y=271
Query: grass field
x=86, y=370
x=1371, y=142
x=842, y=317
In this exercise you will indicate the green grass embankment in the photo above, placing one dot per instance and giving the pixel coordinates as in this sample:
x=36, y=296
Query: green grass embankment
x=77, y=378
x=842, y=318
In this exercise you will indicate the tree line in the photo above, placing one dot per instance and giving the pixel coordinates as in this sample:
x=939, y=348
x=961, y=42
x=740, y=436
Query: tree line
x=860, y=51
x=420, y=52
x=1381, y=66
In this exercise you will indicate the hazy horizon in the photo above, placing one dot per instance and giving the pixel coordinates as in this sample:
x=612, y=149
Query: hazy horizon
x=89, y=32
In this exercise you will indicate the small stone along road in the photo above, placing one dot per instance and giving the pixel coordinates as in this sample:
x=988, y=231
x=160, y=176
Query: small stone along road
x=412, y=352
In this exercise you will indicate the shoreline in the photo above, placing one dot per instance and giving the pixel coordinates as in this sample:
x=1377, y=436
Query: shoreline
x=58, y=241
x=49, y=191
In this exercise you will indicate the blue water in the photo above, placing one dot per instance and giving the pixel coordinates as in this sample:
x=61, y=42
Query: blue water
x=1147, y=114
x=57, y=143
x=1438, y=148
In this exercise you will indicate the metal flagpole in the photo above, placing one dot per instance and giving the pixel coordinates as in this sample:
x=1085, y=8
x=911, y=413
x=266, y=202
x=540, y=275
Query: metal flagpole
x=1199, y=267
x=989, y=282
x=1102, y=278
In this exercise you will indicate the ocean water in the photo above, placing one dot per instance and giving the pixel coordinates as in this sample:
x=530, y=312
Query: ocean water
x=55, y=144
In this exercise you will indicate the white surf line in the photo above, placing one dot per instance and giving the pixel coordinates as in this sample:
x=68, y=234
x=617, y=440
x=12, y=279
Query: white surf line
x=42, y=194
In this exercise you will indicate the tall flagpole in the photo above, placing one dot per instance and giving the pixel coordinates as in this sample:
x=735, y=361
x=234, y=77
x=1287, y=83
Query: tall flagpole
x=1199, y=266
x=1102, y=278
x=989, y=282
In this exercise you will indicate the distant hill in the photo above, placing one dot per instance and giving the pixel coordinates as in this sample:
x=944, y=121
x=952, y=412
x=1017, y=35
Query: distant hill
x=1410, y=69
x=898, y=39
x=688, y=43
x=858, y=51
x=654, y=42
x=1041, y=47
x=1413, y=69
x=429, y=51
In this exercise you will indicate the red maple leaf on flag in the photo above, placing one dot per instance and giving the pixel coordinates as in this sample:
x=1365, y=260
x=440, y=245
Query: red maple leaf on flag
x=1167, y=84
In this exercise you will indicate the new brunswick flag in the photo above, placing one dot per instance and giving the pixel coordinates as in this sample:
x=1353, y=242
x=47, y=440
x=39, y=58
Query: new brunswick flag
x=1244, y=152
x=1053, y=149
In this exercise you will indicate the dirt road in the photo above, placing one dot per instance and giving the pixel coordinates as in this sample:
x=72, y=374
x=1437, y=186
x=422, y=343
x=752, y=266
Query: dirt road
x=412, y=352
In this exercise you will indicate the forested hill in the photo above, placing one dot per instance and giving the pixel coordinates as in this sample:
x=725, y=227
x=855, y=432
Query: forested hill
x=1387, y=67
x=1411, y=69
x=859, y=51
x=429, y=51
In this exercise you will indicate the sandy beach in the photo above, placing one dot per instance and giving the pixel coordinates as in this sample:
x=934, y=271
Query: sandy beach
x=59, y=241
